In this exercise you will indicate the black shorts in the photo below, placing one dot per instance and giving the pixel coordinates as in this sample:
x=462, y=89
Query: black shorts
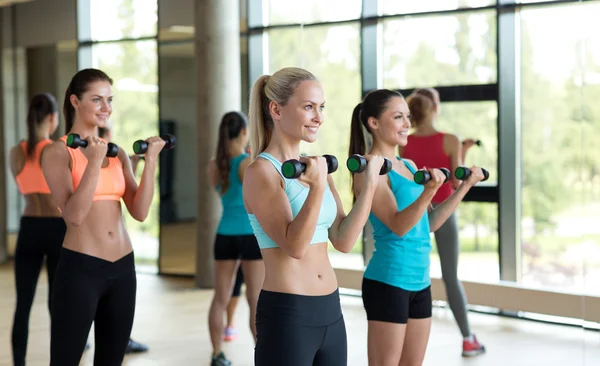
x=234, y=247
x=392, y=304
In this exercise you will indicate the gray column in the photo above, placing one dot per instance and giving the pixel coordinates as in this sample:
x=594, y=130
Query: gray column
x=3, y=218
x=218, y=80
x=509, y=144
x=370, y=46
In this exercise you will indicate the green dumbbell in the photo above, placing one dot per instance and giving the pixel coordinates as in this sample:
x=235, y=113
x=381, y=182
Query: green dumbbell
x=357, y=164
x=75, y=141
x=422, y=176
x=463, y=173
x=292, y=169
x=141, y=146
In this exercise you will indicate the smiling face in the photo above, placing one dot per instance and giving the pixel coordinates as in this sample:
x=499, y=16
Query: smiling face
x=94, y=108
x=393, y=124
x=302, y=115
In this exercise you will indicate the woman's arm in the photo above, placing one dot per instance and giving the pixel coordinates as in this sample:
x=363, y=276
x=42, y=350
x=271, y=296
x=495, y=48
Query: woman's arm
x=265, y=198
x=453, y=148
x=440, y=214
x=138, y=198
x=212, y=173
x=385, y=208
x=75, y=205
x=346, y=228
x=16, y=160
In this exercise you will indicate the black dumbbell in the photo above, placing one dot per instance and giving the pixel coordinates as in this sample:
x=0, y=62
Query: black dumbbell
x=141, y=146
x=292, y=169
x=358, y=163
x=462, y=173
x=74, y=141
x=422, y=176
x=477, y=142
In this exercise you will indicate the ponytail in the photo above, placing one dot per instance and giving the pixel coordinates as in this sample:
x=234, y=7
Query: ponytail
x=41, y=106
x=230, y=128
x=358, y=144
x=261, y=124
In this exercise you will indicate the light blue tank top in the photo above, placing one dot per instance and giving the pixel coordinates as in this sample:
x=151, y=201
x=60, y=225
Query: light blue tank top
x=297, y=194
x=401, y=261
x=234, y=220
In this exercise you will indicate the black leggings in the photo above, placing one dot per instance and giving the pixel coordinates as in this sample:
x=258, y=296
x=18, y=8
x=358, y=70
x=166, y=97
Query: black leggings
x=39, y=238
x=298, y=330
x=89, y=289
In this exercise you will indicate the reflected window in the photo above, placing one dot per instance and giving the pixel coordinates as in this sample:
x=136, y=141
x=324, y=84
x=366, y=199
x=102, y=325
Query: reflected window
x=561, y=165
x=332, y=53
x=133, y=67
x=118, y=19
x=392, y=7
x=311, y=11
x=456, y=49
x=478, y=240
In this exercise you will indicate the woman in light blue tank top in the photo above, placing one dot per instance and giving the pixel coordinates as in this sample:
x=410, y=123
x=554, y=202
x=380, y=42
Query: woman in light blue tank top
x=235, y=241
x=396, y=284
x=299, y=317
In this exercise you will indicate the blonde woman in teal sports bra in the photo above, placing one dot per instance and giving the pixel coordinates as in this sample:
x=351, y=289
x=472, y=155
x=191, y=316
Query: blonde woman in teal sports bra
x=299, y=319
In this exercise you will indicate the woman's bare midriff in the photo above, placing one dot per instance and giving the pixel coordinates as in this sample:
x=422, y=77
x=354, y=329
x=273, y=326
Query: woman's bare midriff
x=312, y=275
x=102, y=234
x=40, y=205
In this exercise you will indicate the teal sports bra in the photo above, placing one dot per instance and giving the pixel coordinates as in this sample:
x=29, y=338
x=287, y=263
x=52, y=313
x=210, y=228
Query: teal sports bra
x=234, y=220
x=297, y=194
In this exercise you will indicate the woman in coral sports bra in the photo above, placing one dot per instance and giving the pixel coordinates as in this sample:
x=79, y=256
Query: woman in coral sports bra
x=42, y=228
x=428, y=147
x=95, y=279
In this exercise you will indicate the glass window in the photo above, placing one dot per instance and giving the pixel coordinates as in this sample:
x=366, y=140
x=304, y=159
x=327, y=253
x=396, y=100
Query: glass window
x=456, y=49
x=311, y=11
x=391, y=7
x=332, y=53
x=561, y=165
x=117, y=19
x=478, y=242
x=479, y=121
x=133, y=67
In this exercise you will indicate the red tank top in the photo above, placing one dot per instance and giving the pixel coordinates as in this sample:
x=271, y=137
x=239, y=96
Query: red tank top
x=428, y=151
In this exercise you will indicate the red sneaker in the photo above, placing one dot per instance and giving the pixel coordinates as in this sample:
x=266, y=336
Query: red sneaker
x=230, y=334
x=472, y=348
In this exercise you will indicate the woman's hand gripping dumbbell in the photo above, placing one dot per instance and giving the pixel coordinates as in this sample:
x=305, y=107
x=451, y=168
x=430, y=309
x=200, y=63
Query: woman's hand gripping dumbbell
x=293, y=168
x=358, y=163
x=75, y=141
x=165, y=142
x=463, y=173
x=423, y=176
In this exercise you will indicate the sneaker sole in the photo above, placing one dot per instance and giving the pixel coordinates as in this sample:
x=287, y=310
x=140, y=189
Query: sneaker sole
x=473, y=353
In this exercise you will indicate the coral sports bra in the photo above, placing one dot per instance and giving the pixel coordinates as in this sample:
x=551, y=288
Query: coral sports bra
x=111, y=182
x=31, y=179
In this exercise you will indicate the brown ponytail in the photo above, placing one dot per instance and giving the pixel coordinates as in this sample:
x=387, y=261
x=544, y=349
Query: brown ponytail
x=41, y=106
x=232, y=124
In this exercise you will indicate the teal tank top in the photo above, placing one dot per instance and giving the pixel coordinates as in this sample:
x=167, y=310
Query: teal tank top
x=234, y=220
x=297, y=194
x=401, y=261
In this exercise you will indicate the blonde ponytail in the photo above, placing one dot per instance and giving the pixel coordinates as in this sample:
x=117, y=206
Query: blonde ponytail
x=261, y=124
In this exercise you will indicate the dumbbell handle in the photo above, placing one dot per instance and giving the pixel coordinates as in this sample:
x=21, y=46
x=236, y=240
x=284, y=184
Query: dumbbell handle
x=358, y=163
x=293, y=168
x=463, y=173
x=141, y=146
x=422, y=176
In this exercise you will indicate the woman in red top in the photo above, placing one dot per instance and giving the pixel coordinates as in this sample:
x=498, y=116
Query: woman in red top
x=428, y=147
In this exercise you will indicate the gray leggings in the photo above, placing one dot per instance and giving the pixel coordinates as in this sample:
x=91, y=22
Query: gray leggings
x=446, y=239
